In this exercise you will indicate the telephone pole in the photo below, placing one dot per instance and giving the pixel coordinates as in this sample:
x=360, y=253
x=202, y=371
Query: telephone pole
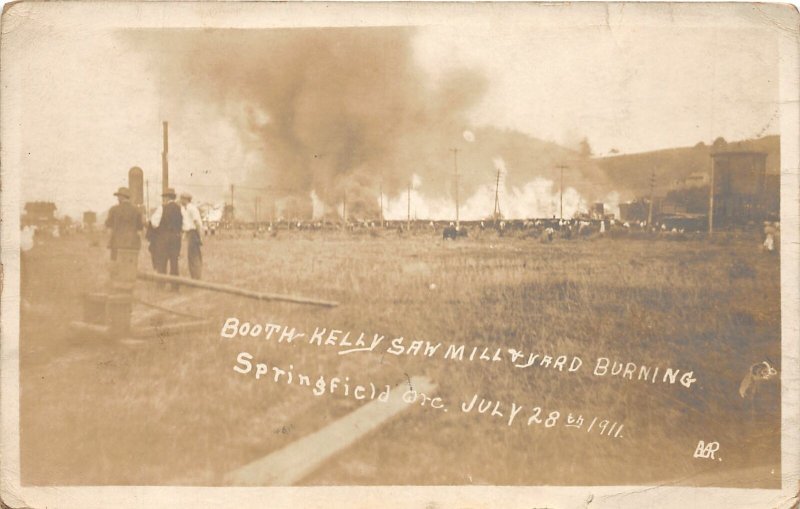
x=652, y=186
x=147, y=197
x=380, y=190
x=165, y=160
x=711, y=199
x=497, y=197
x=455, y=169
x=232, y=209
x=561, y=190
x=408, y=220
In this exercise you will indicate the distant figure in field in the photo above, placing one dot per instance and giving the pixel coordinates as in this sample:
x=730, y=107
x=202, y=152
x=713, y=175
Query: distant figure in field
x=167, y=222
x=125, y=222
x=192, y=226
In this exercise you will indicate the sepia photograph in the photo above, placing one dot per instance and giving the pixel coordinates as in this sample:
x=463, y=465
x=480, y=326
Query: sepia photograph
x=446, y=255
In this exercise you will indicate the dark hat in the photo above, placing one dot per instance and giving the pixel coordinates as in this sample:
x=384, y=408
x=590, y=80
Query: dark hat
x=169, y=192
x=123, y=191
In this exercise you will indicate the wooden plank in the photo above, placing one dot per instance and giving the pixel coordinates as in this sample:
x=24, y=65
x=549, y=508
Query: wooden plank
x=163, y=278
x=91, y=329
x=142, y=317
x=168, y=329
x=289, y=465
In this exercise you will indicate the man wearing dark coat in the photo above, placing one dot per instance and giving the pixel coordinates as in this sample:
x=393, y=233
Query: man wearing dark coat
x=125, y=222
x=167, y=222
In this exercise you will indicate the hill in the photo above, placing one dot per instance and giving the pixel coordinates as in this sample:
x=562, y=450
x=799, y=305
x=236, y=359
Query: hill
x=630, y=174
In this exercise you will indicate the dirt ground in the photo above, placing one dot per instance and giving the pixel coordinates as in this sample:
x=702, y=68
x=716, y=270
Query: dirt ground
x=171, y=409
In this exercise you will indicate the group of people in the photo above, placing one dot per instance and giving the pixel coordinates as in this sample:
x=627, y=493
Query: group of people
x=171, y=222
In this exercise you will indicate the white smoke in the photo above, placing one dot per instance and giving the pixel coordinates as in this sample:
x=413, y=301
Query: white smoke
x=611, y=202
x=538, y=198
x=500, y=165
x=211, y=211
x=317, y=206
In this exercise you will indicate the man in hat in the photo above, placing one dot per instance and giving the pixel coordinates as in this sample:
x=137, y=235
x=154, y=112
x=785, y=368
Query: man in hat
x=167, y=223
x=125, y=222
x=192, y=226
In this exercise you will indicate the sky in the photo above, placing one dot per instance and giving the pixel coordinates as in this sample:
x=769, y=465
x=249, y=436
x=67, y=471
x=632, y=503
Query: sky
x=92, y=107
x=631, y=89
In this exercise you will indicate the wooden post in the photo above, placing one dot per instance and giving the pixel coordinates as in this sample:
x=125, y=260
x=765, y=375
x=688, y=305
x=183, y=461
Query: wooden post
x=136, y=186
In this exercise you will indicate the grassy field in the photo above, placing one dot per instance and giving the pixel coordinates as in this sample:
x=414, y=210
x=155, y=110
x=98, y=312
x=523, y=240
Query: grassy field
x=172, y=410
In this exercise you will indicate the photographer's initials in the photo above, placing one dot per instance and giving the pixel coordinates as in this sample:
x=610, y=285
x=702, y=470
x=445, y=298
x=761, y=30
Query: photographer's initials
x=706, y=451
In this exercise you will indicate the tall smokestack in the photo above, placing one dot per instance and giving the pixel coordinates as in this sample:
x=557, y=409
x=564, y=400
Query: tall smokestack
x=165, y=161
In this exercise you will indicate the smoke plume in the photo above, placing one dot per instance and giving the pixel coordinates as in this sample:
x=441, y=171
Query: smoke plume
x=334, y=111
x=347, y=114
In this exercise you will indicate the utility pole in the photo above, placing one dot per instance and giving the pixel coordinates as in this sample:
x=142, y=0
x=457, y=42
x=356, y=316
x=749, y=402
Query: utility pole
x=147, y=197
x=497, y=197
x=652, y=186
x=381, y=200
x=561, y=190
x=408, y=220
x=165, y=160
x=711, y=199
x=455, y=168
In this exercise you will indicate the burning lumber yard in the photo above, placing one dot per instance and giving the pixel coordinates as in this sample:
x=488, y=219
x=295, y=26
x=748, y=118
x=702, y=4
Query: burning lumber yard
x=406, y=256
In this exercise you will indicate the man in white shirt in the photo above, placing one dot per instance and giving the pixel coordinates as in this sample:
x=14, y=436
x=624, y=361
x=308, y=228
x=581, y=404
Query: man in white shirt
x=192, y=227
